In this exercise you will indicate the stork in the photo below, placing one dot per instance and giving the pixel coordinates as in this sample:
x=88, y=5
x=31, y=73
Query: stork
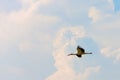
x=80, y=52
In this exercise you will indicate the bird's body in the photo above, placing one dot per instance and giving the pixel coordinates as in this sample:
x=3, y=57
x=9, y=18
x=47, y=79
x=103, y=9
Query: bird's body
x=80, y=52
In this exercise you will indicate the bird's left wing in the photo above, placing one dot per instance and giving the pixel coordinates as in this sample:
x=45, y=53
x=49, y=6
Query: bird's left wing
x=80, y=50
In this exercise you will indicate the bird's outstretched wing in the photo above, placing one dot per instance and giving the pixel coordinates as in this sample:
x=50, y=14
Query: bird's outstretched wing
x=80, y=50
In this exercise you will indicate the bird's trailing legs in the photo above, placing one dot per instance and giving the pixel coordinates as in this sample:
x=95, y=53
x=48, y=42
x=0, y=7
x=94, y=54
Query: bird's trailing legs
x=87, y=53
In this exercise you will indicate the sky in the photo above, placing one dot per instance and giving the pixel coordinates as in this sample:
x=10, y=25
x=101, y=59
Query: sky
x=37, y=35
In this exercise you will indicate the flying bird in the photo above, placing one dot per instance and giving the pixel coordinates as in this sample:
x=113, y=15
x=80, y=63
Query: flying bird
x=80, y=52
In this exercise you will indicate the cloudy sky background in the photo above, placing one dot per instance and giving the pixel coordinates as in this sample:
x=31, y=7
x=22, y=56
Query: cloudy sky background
x=37, y=35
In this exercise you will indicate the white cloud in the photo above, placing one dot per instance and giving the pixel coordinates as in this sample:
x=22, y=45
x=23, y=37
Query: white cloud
x=99, y=12
x=111, y=53
x=106, y=51
x=18, y=25
x=21, y=22
x=105, y=31
x=73, y=33
x=88, y=71
x=94, y=14
x=28, y=3
x=25, y=27
x=67, y=73
x=67, y=37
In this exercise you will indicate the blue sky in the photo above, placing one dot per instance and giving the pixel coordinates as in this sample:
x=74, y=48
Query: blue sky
x=116, y=4
x=37, y=35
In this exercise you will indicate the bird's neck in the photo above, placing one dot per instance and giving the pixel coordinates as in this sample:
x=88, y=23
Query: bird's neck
x=73, y=53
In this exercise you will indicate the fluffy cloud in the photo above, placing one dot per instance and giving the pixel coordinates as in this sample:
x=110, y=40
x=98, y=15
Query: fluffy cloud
x=28, y=3
x=21, y=32
x=20, y=23
x=66, y=74
x=98, y=13
x=111, y=53
x=85, y=75
x=94, y=14
x=105, y=28
x=67, y=37
x=24, y=28
x=72, y=33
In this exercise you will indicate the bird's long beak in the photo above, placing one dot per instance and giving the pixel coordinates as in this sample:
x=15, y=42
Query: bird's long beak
x=71, y=54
